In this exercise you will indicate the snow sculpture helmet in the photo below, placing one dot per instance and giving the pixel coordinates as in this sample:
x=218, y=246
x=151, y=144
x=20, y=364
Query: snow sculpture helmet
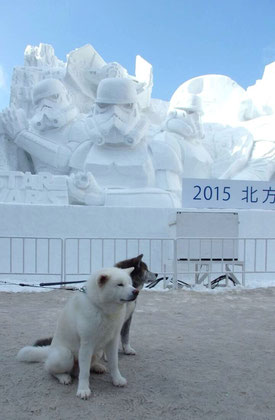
x=53, y=105
x=190, y=103
x=51, y=91
x=116, y=111
x=114, y=90
x=185, y=117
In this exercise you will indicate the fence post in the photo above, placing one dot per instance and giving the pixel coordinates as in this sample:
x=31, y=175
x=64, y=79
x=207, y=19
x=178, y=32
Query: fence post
x=63, y=260
x=175, y=274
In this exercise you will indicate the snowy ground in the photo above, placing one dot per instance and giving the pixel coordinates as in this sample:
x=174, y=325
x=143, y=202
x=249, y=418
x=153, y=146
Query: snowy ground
x=8, y=285
x=199, y=356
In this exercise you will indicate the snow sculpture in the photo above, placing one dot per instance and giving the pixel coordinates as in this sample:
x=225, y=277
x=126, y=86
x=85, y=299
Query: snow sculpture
x=25, y=188
x=131, y=169
x=262, y=94
x=52, y=133
x=86, y=68
x=230, y=148
x=83, y=189
x=220, y=97
x=96, y=127
x=183, y=126
x=39, y=63
x=229, y=144
x=261, y=165
x=258, y=119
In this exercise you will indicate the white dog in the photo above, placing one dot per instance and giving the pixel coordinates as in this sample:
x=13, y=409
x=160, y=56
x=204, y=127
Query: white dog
x=91, y=321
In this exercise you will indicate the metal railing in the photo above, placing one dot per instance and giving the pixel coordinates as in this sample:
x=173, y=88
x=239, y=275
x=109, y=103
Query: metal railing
x=82, y=256
x=27, y=257
x=238, y=259
x=190, y=260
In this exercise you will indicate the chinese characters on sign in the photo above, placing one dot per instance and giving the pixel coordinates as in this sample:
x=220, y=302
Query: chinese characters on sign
x=252, y=195
x=208, y=193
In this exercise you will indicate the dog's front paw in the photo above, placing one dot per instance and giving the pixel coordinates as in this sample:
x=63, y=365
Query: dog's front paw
x=83, y=393
x=119, y=381
x=127, y=349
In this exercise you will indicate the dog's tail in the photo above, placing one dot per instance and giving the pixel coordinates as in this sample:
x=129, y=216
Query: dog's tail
x=33, y=354
x=43, y=342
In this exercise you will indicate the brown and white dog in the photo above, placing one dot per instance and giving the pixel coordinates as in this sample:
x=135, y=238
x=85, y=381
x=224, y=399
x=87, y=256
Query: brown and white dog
x=139, y=276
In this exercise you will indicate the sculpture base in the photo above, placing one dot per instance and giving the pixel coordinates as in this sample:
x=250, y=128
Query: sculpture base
x=143, y=197
x=23, y=220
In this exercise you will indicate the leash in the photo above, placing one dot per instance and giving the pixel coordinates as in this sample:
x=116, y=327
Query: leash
x=155, y=282
x=44, y=285
x=214, y=283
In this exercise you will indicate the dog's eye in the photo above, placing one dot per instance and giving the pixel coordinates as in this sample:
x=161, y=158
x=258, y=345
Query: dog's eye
x=120, y=284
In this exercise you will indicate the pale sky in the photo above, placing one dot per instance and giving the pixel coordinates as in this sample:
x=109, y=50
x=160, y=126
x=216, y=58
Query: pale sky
x=180, y=38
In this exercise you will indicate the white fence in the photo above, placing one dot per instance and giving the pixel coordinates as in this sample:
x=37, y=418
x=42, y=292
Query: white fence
x=83, y=256
x=26, y=257
x=188, y=260
x=236, y=259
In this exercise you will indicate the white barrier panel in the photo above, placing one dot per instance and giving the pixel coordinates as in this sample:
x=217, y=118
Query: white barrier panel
x=228, y=194
x=31, y=258
x=84, y=256
x=73, y=259
x=204, y=225
x=252, y=260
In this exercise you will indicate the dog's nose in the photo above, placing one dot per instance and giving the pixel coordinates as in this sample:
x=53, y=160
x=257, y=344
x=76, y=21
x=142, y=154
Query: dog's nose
x=135, y=292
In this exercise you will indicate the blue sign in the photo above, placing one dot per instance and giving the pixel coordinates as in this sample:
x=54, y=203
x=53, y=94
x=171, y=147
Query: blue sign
x=222, y=194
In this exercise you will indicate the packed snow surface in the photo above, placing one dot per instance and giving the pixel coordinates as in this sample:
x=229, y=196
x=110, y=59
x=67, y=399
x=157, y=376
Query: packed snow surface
x=199, y=356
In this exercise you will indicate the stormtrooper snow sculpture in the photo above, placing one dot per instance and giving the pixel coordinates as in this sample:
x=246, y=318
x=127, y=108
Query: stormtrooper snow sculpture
x=95, y=126
x=228, y=144
x=54, y=130
x=131, y=170
x=116, y=116
x=183, y=126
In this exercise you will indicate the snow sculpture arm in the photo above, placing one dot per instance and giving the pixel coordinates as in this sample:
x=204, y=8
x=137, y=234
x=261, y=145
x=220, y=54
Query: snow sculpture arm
x=232, y=149
x=8, y=155
x=15, y=125
x=53, y=154
x=241, y=157
x=13, y=121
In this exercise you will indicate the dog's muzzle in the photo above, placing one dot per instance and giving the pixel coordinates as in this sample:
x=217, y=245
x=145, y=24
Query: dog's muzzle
x=150, y=276
x=135, y=293
x=132, y=297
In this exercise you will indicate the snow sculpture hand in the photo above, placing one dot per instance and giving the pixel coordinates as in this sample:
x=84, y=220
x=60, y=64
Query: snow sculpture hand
x=13, y=121
x=181, y=124
x=83, y=189
x=187, y=129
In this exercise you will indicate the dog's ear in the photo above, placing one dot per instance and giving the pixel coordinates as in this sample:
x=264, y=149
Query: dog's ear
x=138, y=260
x=102, y=280
x=129, y=270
